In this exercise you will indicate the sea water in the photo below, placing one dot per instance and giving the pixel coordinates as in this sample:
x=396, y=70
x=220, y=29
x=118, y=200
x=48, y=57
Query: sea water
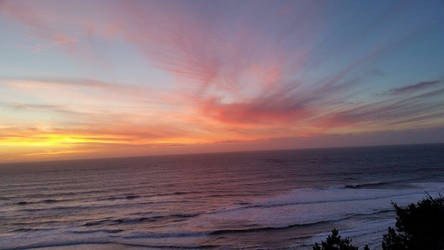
x=276, y=199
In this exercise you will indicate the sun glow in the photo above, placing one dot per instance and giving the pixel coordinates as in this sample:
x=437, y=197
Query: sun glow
x=57, y=140
x=148, y=77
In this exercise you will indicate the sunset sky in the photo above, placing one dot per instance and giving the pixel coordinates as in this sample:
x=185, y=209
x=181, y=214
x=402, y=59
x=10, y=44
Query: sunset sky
x=87, y=79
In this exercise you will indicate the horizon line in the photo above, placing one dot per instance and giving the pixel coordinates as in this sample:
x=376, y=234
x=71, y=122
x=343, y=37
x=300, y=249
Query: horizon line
x=215, y=152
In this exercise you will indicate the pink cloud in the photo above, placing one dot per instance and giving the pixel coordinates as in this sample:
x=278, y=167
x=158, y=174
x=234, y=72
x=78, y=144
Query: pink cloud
x=233, y=80
x=258, y=111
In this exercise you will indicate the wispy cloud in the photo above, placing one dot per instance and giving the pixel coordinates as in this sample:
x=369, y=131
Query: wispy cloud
x=414, y=87
x=39, y=23
x=237, y=71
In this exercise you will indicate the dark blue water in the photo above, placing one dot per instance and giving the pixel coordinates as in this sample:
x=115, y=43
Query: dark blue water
x=279, y=199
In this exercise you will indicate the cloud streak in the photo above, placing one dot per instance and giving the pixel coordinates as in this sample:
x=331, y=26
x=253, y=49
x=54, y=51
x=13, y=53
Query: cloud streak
x=227, y=71
x=414, y=87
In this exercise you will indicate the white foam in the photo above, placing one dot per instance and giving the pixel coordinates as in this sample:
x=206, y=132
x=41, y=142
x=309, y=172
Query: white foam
x=51, y=238
x=300, y=206
x=307, y=206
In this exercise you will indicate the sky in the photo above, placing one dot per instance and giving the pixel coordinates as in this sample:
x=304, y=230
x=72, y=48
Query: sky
x=110, y=78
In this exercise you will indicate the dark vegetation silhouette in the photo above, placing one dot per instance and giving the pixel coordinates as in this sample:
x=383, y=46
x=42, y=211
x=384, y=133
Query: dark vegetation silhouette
x=335, y=242
x=418, y=226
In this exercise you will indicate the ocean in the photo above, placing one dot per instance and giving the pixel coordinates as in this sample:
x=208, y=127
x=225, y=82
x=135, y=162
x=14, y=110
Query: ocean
x=268, y=200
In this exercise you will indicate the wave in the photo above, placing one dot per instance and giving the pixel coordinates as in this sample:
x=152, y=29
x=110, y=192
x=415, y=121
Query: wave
x=95, y=206
x=102, y=236
x=89, y=199
x=26, y=229
x=261, y=229
x=67, y=193
x=135, y=196
x=138, y=219
x=124, y=197
x=309, y=205
x=316, y=199
x=155, y=235
x=306, y=196
x=256, y=228
x=119, y=245
x=57, y=244
x=112, y=198
x=367, y=185
x=109, y=231
x=377, y=184
x=47, y=201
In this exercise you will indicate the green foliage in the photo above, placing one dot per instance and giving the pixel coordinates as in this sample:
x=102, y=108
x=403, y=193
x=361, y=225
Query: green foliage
x=335, y=242
x=418, y=226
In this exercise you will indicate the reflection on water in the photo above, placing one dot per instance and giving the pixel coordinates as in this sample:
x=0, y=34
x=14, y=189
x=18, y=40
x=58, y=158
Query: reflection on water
x=257, y=199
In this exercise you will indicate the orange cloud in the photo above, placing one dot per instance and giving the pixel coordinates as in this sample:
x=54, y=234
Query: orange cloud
x=233, y=81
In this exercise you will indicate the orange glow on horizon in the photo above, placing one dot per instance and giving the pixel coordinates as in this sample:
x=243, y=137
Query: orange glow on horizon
x=145, y=77
x=55, y=140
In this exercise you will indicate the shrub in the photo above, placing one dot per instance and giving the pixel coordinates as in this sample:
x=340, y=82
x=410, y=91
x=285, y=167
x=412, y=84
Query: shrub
x=335, y=242
x=418, y=226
